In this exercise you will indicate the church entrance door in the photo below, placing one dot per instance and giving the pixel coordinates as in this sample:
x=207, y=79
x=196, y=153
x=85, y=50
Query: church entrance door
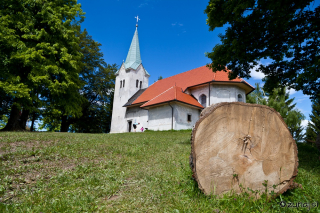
x=130, y=124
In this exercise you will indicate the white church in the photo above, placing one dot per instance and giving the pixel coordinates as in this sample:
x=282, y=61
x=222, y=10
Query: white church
x=171, y=103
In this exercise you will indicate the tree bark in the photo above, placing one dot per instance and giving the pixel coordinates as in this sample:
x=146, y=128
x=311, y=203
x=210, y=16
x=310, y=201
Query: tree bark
x=235, y=146
x=14, y=120
x=64, y=124
x=24, y=118
x=32, y=121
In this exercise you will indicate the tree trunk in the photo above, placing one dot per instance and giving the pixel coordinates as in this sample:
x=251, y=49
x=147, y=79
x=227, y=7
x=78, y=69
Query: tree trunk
x=32, y=121
x=14, y=120
x=235, y=146
x=64, y=124
x=24, y=118
x=318, y=143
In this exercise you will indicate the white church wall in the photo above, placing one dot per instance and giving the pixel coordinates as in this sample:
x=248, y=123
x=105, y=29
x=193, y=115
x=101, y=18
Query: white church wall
x=201, y=90
x=160, y=118
x=137, y=115
x=181, y=112
x=225, y=93
x=119, y=122
x=218, y=93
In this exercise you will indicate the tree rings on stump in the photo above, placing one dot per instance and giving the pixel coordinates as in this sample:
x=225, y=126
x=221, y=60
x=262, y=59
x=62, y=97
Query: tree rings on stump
x=238, y=144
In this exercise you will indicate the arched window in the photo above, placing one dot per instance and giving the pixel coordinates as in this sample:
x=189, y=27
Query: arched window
x=240, y=98
x=137, y=83
x=120, y=84
x=203, y=100
x=123, y=83
x=140, y=84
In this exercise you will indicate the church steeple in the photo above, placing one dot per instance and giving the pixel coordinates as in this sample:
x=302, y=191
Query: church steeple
x=133, y=58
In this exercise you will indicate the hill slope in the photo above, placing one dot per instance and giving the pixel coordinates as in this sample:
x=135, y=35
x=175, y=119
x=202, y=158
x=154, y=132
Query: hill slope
x=146, y=172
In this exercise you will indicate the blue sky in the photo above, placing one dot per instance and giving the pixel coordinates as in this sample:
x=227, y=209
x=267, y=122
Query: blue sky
x=173, y=36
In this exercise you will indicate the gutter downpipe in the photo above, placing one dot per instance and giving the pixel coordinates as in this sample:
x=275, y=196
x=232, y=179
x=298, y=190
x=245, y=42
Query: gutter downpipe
x=209, y=93
x=171, y=116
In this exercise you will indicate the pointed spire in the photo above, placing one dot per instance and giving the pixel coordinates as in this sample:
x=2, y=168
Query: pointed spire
x=133, y=58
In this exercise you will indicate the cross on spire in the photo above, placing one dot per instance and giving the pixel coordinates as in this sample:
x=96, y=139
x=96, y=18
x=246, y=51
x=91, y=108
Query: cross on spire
x=137, y=17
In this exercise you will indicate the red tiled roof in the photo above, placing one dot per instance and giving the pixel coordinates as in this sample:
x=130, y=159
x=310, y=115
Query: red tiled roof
x=173, y=94
x=184, y=80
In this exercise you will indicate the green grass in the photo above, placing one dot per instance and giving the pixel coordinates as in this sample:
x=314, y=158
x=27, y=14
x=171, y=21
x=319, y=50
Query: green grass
x=131, y=172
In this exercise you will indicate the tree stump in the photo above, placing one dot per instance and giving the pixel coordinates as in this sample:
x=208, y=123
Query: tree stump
x=238, y=143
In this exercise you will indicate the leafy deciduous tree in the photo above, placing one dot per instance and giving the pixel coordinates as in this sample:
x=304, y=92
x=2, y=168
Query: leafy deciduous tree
x=287, y=32
x=97, y=93
x=39, y=56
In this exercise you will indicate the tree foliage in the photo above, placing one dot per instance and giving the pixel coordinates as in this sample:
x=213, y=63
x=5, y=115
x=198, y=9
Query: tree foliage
x=96, y=92
x=39, y=56
x=313, y=128
x=279, y=100
x=287, y=32
x=99, y=78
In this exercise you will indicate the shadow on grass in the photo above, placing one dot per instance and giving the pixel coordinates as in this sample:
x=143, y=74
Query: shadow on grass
x=309, y=158
x=185, y=142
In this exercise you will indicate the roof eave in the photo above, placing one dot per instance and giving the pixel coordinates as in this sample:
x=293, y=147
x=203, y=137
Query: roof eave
x=134, y=105
x=157, y=104
x=232, y=82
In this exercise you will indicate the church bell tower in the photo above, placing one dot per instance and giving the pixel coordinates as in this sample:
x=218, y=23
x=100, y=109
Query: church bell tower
x=130, y=78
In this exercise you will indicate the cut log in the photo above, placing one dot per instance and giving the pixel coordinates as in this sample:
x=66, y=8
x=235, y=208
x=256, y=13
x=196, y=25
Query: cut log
x=235, y=146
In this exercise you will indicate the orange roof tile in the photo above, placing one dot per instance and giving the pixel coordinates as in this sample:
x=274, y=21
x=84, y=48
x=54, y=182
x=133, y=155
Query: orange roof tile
x=184, y=80
x=173, y=94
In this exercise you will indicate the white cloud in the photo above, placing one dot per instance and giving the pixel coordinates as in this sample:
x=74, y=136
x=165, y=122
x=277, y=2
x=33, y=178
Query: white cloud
x=304, y=123
x=256, y=75
x=292, y=91
x=177, y=24
x=143, y=4
x=303, y=99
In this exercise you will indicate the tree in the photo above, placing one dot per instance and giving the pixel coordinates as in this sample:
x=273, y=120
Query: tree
x=257, y=96
x=99, y=78
x=3, y=121
x=97, y=109
x=287, y=32
x=313, y=128
x=280, y=101
x=96, y=92
x=39, y=57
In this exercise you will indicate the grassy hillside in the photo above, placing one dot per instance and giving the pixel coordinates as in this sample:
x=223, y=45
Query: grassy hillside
x=132, y=172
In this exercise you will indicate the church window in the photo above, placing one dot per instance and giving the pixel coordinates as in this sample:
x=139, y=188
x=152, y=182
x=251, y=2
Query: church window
x=120, y=84
x=137, y=83
x=140, y=84
x=203, y=100
x=123, y=83
x=189, y=117
x=240, y=98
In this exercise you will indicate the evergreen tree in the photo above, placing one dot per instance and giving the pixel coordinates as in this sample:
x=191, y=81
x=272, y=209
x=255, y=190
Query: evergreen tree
x=313, y=128
x=279, y=100
x=257, y=96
